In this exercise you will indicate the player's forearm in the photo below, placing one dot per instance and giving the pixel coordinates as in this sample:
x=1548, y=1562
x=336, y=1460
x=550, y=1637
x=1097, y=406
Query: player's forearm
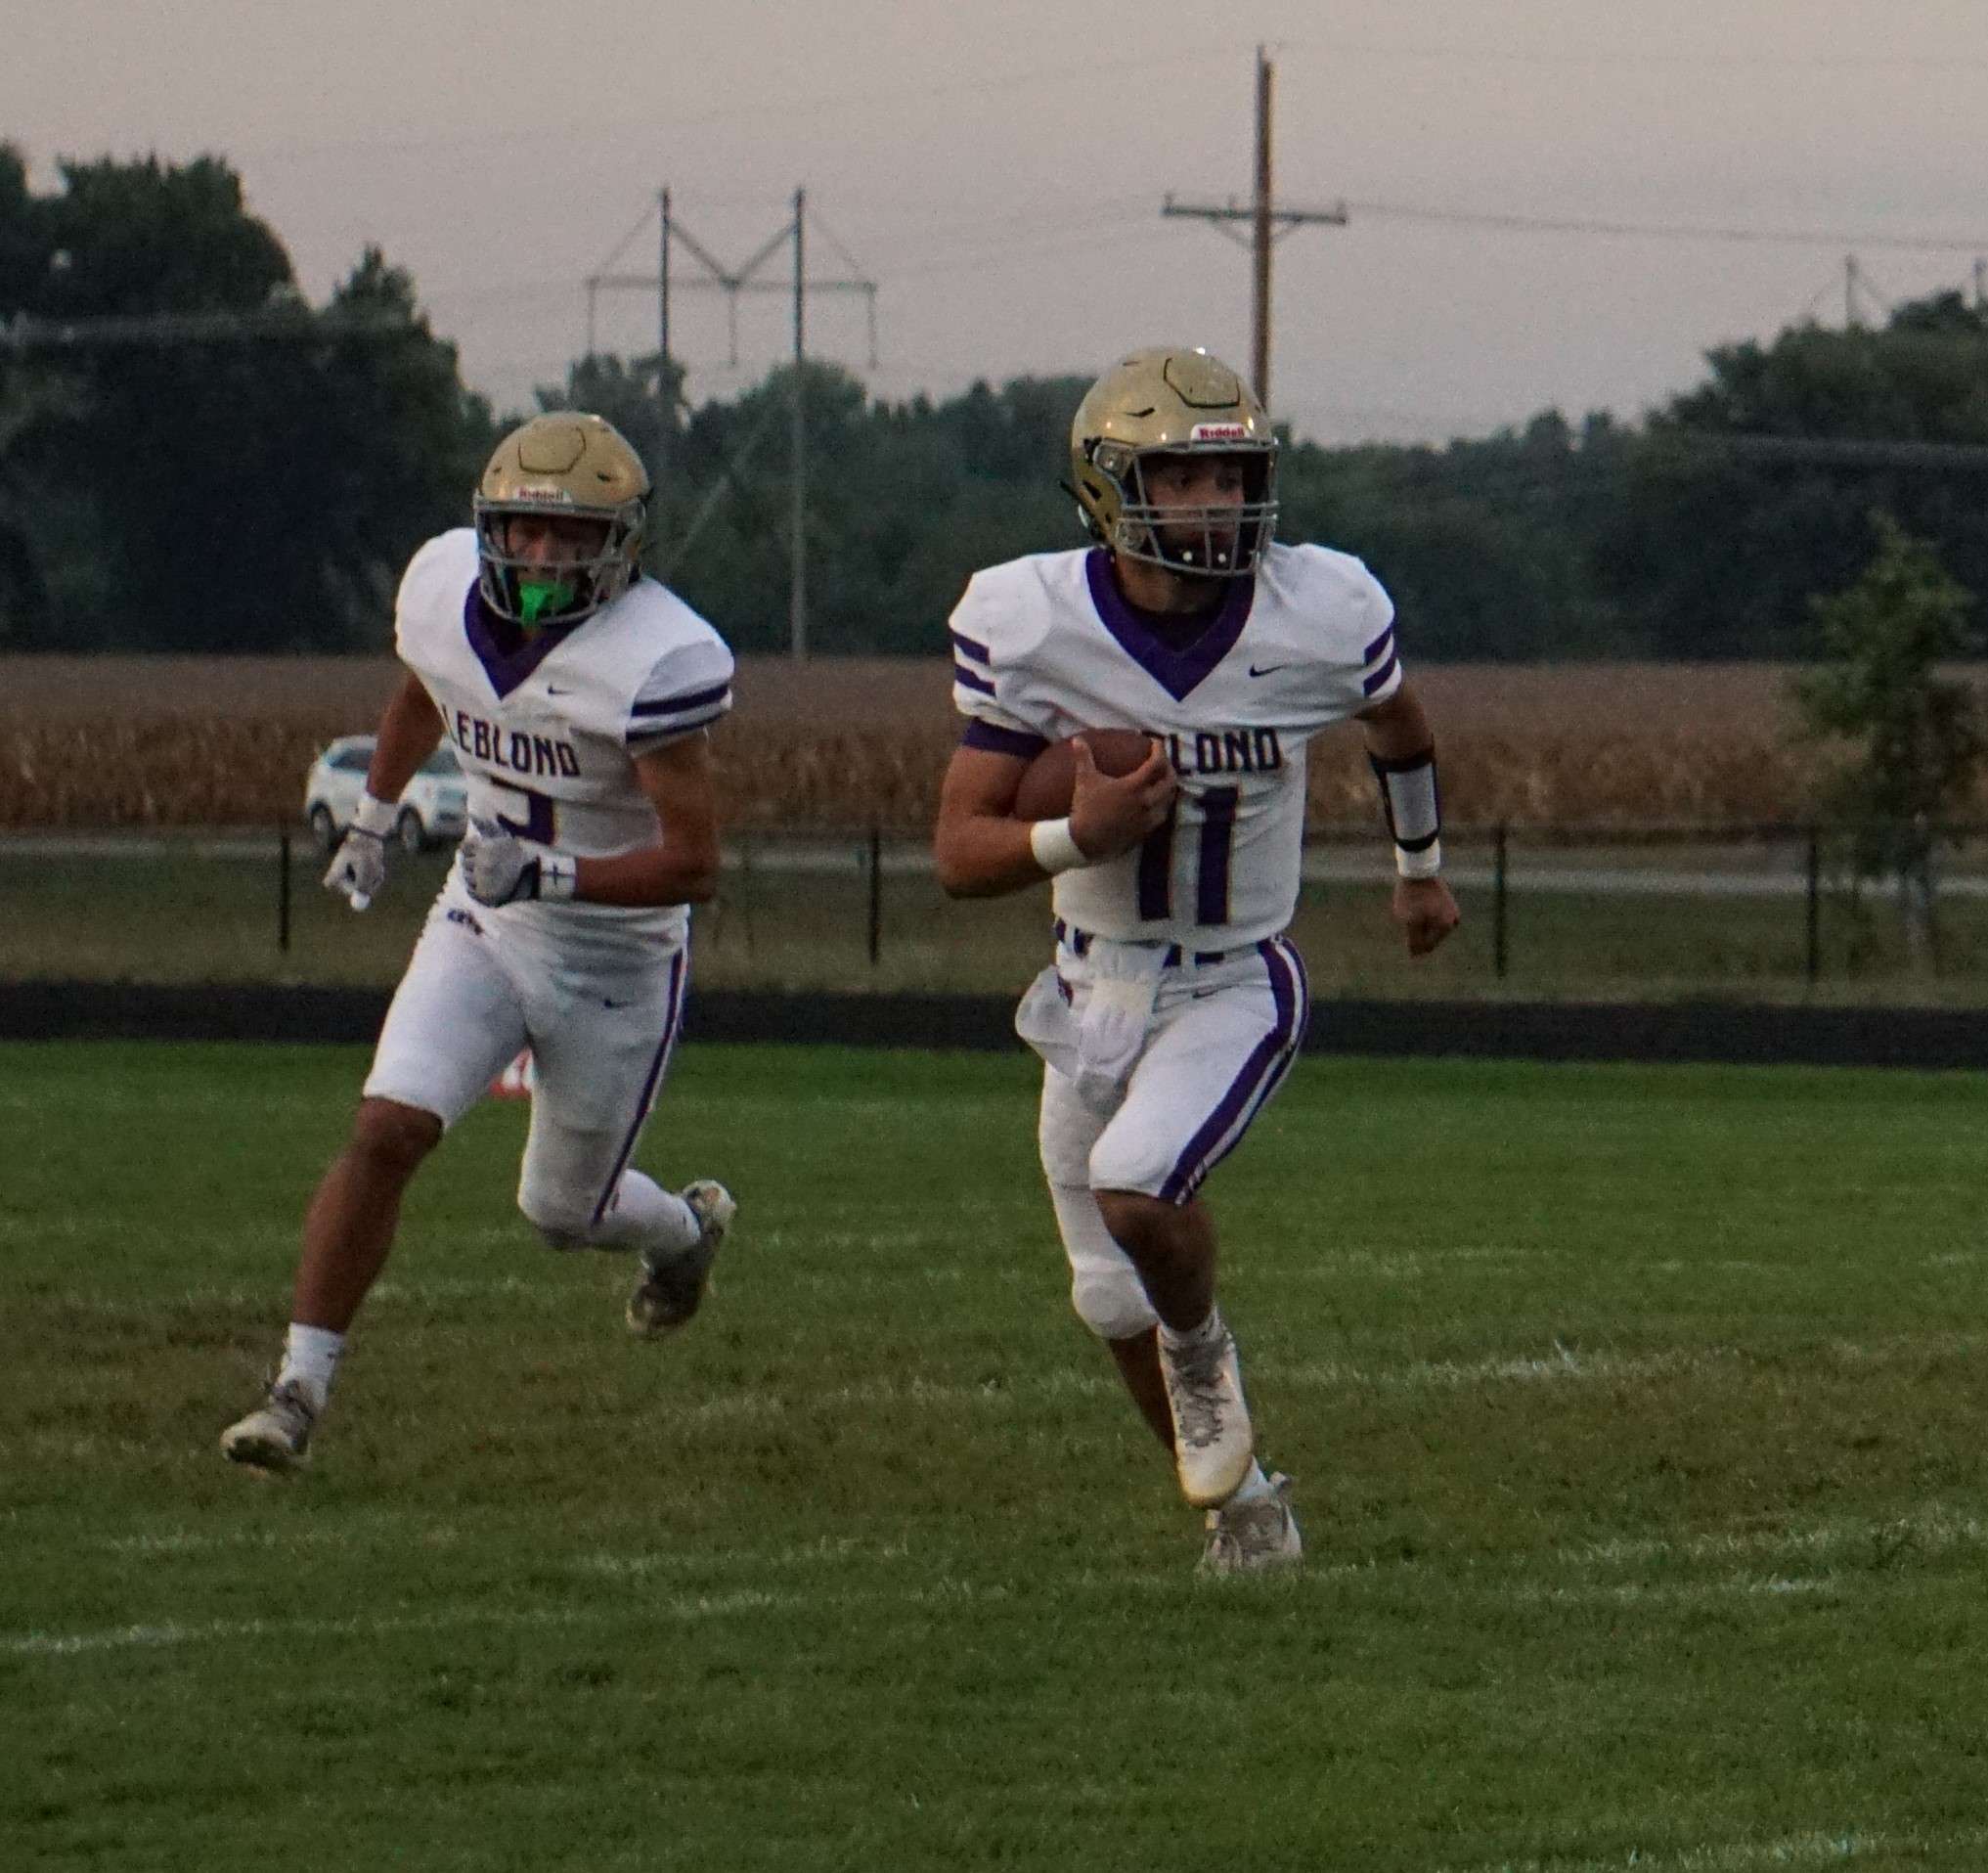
x=1398, y=727
x=656, y=875
x=1403, y=752
x=985, y=856
x=408, y=730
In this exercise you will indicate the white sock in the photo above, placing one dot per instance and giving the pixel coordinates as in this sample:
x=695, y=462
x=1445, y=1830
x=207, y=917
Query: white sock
x=1253, y=1486
x=1206, y=1334
x=310, y=1357
x=645, y=1215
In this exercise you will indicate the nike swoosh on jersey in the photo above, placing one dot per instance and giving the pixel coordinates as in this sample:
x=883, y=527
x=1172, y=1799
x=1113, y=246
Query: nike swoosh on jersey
x=1267, y=669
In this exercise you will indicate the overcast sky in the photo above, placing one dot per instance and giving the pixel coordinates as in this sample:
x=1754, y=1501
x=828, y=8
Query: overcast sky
x=998, y=168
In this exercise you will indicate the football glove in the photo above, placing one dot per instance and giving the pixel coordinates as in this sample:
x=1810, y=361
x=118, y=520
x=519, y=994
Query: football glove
x=359, y=866
x=498, y=869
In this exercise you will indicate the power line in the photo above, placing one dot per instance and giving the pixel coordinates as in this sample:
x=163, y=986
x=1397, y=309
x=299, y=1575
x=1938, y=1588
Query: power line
x=1481, y=54
x=1667, y=230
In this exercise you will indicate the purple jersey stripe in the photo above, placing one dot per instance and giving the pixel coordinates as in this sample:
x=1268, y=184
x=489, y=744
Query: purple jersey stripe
x=1379, y=680
x=1379, y=643
x=672, y=1021
x=992, y=739
x=971, y=647
x=971, y=679
x=657, y=730
x=1260, y=1073
x=692, y=699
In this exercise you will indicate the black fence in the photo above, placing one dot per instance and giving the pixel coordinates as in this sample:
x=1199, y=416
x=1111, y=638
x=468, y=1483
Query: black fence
x=1756, y=910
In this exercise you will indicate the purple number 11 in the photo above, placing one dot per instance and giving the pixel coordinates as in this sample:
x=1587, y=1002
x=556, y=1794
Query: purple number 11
x=1212, y=869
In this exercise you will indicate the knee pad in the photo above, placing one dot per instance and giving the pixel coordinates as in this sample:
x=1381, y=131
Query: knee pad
x=1104, y=1286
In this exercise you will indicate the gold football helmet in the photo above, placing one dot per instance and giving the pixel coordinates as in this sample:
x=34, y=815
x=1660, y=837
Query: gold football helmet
x=568, y=465
x=1173, y=401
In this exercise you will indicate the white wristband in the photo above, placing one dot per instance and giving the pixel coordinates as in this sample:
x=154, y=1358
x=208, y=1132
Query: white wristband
x=1425, y=864
x=558, y=874
x=1054, y=849
x=376, y=817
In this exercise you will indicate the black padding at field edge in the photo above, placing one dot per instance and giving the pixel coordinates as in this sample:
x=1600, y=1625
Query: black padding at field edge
x=1718, y=1033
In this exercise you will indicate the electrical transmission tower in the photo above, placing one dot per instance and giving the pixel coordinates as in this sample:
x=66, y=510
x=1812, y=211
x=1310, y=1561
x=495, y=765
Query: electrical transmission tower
x=1268, y=225
x=732, y=281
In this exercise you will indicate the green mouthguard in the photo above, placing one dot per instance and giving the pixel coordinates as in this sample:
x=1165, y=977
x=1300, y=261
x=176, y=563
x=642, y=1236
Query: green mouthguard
x=540, y=598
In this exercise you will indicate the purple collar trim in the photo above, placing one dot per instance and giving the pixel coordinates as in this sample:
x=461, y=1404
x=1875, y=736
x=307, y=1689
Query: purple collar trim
x=1178, y=672
x=507, y=669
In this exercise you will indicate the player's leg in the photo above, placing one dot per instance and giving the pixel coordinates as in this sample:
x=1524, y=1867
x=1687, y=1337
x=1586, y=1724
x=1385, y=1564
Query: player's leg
x=352, y=1219
x=600, y=1052
x=455, y=1020
x=1212, y=1063
x=1104, y=1286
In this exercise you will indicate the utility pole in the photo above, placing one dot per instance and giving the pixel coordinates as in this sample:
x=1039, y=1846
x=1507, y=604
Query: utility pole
x=1268, y=224
x=1980, y=284
x=1260, y=237
x=666, y=378
x=796, y=587
x=1849, y=291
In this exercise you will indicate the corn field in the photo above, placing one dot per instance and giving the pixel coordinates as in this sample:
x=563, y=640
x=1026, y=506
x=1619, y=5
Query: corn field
x=210, y=742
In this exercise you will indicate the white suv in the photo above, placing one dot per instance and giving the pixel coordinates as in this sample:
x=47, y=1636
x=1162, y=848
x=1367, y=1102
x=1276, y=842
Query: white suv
x=434, y=811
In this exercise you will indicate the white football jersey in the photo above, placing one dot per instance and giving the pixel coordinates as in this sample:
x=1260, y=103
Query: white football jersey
x=1046, y=645
x=546, y=732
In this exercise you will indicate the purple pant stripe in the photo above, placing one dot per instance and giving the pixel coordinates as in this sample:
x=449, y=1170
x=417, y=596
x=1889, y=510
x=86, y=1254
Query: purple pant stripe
x=1280, y=1070
x=670, y=1022
x=1269, y=1060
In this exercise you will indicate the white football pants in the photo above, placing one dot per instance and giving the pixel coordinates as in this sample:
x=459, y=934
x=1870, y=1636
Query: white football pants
x=478, y=988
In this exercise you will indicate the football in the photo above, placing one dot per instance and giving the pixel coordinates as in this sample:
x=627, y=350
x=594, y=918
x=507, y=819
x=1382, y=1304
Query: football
x=1050, y=778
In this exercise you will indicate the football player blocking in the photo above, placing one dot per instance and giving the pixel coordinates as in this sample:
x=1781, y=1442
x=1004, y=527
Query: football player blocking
x=578, y=694
x=1175, y=1006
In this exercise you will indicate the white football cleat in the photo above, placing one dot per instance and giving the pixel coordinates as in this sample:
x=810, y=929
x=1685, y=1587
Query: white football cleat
x=671, y=1288
x=1212, y=1441
x=1256, y=1536
x=277, y=1435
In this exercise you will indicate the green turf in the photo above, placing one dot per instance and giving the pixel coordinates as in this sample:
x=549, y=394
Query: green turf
x=1638, y=1417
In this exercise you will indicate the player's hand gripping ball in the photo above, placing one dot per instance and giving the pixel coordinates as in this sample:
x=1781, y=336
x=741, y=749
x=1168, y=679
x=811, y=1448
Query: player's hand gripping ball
x=1049, y=781
x=496, y=868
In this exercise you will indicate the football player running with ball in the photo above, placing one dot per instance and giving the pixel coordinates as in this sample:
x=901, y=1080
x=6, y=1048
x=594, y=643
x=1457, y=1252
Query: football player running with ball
x=577, y=694
x=1175, y=1004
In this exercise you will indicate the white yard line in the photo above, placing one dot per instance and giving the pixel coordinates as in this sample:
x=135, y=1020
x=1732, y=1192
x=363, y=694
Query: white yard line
x=1823, y=1847
x=221, y=1631
x=926, y=1588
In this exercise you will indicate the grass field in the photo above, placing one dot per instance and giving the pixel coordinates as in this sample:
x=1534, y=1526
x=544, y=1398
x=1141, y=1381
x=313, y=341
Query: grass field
x=1638, y=1415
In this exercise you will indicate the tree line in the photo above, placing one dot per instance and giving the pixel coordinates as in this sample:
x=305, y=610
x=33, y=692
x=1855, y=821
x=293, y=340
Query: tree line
x=191, y=458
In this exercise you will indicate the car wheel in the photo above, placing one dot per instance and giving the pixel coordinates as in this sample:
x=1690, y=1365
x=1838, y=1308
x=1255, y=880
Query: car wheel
x=410, y=831
x=323, y=828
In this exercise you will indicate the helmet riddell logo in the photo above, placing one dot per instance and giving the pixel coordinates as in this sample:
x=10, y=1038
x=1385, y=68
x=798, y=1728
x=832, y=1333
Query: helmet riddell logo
x=1218, y=432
